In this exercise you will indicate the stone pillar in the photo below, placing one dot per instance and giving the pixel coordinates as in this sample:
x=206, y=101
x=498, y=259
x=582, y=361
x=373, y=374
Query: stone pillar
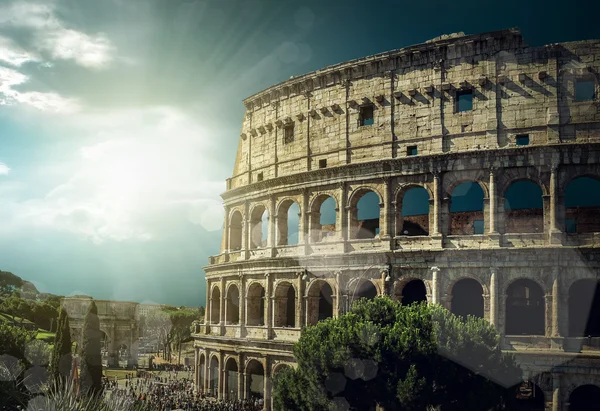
x=435, y=286
x=224, y=384
x=267, y=386
x=242, y=307
x=206, y=378
x=548, y=320
x=556, y=392
x=492, y=218
x=222, y=304
x=221, y=382
x=436, y=204
x=337, y=311
x=386, y=219
x=272, y=225
x=196, y=368
x=268, y=293
x=553, y=199
x=556, y=297
x=226, y=233
x=246, y=229
x=494, y=297
x=303, y=229
x=343, y=214
x=299, y=301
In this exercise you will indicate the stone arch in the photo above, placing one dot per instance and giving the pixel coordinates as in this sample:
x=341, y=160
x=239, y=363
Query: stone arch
x=319, y=301
x=363, y=288
x=525, y=308
x=288, y=225
x=255, y=304
x=582, y=204
x=410, y=290
x=585, y=398
x=364, y=218
x=452, y=180
x=568, y=173
x=467, y=298
x=231, y=378
x=413, y=214
x=232, y=307
x=213, y=373
x=509, y=175
x=215, y=305
x=259, y=219
x=466, y=208
x=323, y=217
x=280, y=366
x=584, y=308
x=284, y=312
x=236, y=224
x=523, y=207
x=255, y=373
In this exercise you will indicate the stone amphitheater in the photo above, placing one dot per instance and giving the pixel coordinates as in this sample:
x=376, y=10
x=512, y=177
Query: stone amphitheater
x=464, y=171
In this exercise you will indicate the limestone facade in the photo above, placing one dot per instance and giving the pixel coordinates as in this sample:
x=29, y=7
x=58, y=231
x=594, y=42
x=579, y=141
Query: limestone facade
x=485, y=109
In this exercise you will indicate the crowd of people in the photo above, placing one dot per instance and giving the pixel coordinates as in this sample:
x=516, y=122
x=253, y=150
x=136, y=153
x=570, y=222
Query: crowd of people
x=168, y=392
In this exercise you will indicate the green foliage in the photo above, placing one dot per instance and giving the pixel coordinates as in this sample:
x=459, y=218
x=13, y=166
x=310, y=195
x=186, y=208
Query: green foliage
x=9, y=282
x=38, y=353
x=400, y=357
x=13, y=363
x=90, y=377
x=13, y=340
x=61, y=360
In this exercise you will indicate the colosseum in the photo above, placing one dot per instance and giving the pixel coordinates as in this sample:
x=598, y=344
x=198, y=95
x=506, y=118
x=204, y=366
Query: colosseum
x=463, y=171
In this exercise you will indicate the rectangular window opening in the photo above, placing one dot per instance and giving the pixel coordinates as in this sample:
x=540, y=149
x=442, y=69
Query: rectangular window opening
x=366, y=115
x=477, y=226
x=323, y=163
x=584, y=90
x=259, y=176
x=522, y=139
x=464, y=100
x=412, y=151
x=570, y=225
x=288, y=134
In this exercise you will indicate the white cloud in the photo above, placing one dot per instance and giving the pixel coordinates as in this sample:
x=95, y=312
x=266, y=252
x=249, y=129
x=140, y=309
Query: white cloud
x=14, y=55
x=4, y=169
x=51, y=35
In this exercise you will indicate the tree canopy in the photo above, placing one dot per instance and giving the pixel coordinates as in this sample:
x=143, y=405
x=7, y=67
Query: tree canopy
x=400, y=357
x=90, y=376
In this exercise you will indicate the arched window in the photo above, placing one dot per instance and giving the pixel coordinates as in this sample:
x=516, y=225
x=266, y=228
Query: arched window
x=467, y=298
x=523, y=208
x=323, y=218
x=413, y=292
x=466, y=209
x=582, y=205
x=259, y=223
x=320, y=301
x=231, y=380
x=255, y=380
x=214, y=376
x=414, y=214
x=255, y=305
x=235, y=231
x=525, y=309
x=285, y=305
x=365, y=215
x=215, y=306
x=584, y=309
x=288, y=223
x=365, y=289
x=233, y=305
x=585, y=398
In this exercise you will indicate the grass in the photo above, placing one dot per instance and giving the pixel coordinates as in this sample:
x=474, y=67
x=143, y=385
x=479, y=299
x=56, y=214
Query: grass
x=120, y=374
x=45, y=336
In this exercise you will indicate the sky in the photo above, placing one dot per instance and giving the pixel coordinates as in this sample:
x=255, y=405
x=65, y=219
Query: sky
x=119, y=119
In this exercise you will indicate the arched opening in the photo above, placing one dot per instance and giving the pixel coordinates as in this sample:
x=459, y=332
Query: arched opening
x=467, y=298
x=527, y=397
x=255, y=305
x=525, y=309
x=279, y=367
x=466, y=209
x=231, y=379
x=365, y=289
x=413, y=292
x=259, y=227
x=123, y=352
x=320, y=302
x=215, y=306
x=285, y=305
x=288, y=223
x=523, y=208
x=365, y=215
x=233, y=305
x=323, y=218
x=213, y=385
x=201, y=372
x=414, y=214
x=104, y=343
x=235, y=231
x=582, y=205
x=585, y=398
x=584, y=309
x=255, y=382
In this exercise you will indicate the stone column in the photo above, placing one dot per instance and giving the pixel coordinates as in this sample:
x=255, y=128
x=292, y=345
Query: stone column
x=268, y=293
x=222, y=305
x=548, y=310
x=299, y=302
x=494, y=297
x=337, y=311
x=436, y=204
x=303, y=232
x=206, y=371
x=492, y=218
x=553, y=198
x=435, y=286
x=272, y=225
x=386, y=219
x=221, y=382
x=224, y=384
x=556, y=297
x=556, y=392
x=267, y=386
x=341, y=216
x=242, y=307
x=197, y=369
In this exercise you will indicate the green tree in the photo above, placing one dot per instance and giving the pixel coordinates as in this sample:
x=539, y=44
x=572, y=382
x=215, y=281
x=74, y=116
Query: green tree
x=61, y=360
x=13, y=365
x=405, y=358
x=181, y=324
x=9, y=282
x=90, y=374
